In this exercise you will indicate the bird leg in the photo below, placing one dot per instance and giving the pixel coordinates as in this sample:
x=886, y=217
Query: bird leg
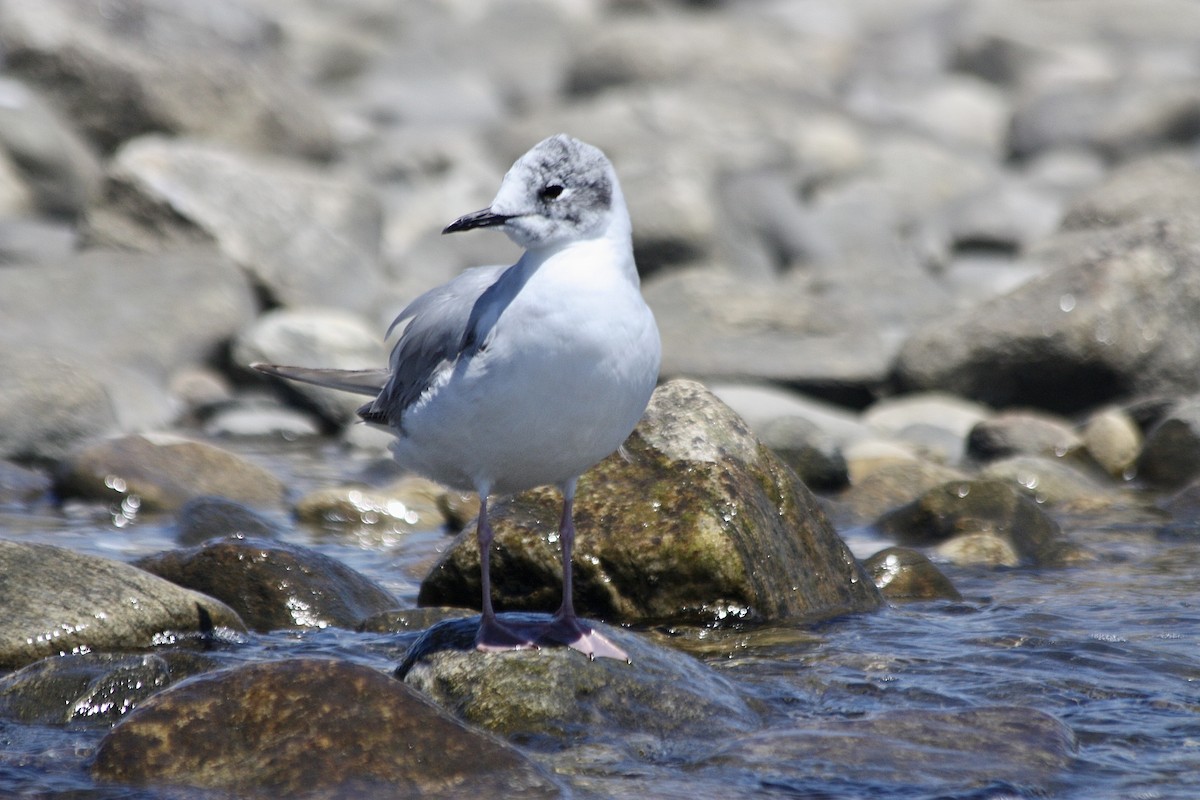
x=566, y=628
x=493, y=636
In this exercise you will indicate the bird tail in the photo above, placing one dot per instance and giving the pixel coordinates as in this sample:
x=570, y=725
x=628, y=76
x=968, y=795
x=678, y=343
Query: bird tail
x=356, y=381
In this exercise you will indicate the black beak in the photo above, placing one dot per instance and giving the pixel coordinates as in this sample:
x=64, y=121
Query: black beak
x=485, y=218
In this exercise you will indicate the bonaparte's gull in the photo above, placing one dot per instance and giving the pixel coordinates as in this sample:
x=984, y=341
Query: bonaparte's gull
x=507, y=378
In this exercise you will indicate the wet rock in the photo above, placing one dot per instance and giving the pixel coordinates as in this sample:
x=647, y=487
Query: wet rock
x=556, y=695
x=1116, y=314
x=1055, y=482
x=1183, y=507
x=58, y=602
x=1012, y=433
x=310, y=728
x=895, y=415
x=1160, y=186
x=272, y=584
x=762, y=405
x=412, y=503
x=258, y=417
x=1171, y=455
x=306, y=236
x=157, y=66
x=315, y=337
x=119, y=316
x=915, y=750
x=901, y=573
x=697, y=520
x=1113, y=440
x=20, y=485
x=891, y=486
x=48, y=405
x=1002, y=525
x=208, y=517
x=160, y=472
x=871, y=454
x=91, y=689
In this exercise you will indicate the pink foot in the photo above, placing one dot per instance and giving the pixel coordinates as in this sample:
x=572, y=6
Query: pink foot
x=494, y=637
x=578, y=636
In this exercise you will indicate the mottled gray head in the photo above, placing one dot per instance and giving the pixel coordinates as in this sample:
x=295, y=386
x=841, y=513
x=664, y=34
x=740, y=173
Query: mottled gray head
x=560, y=190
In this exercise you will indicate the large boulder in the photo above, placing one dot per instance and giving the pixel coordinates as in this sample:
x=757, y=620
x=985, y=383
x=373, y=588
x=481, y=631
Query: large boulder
x=314, y=728
x=695, y=520
x=57, y=601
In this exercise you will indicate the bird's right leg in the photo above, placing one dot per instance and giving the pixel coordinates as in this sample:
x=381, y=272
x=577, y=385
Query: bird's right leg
x=493, y=636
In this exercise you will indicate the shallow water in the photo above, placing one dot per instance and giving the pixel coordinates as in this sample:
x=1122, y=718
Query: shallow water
x=1109, y=647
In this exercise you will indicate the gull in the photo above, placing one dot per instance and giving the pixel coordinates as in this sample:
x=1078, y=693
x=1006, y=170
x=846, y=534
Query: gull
x=508, y=378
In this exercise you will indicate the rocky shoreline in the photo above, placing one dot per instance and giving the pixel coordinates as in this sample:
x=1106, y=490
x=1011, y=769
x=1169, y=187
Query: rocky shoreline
x=939, y=264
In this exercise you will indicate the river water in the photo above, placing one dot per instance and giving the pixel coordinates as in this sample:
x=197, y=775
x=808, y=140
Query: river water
x=1110, y=647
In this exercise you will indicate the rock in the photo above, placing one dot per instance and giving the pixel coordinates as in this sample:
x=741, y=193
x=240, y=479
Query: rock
x=274, y=585
x=315, y=337
x=697, y=521
x=120, y=316
x=260, y=417
x=307, y=237
x=811, y=452
x=208, y=517
x=871, y=454
x=48, y=405
x=1012, y=433
x=20, y=485
x=720, y=328
x=305, y=727
x=1113, y=440
x=895, y=415
x=1170, y=457
x=58, y=166
x=91, y=689
x=157, y=66
x=410, y=504
x=410, y=620
x=162, y=472
x=914, y=751
x=1150, y=188
x=903, y=574
x=990, y=511
x=891, y=486
x=1118, y=314
x=1183, y=507
x=1054, y=482
x=763, y=405
x=58, y=602
x=33, y=240
x=557, y=696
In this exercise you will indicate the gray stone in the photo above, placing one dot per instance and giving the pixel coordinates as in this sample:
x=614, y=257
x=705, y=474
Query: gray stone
x=161, y=472
x=697, y=521
x=310, y=727
x=1022, y=433
x=1056, y=483
x=273, y=585
x=1016, y=530
x=558, y=695
x=48, y=405
x=20, y=485
x=208, y=517
x=153, y=65
x=130, y=321
x=1118, y=314
x=58, y=602
x=1171, y=454
x=889, y=487
x=91, y=689
x=306, y=236
x=59, y=167
x=35, y=240
x=903, y=574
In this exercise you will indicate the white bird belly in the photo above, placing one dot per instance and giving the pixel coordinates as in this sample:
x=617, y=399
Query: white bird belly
x=547, y=398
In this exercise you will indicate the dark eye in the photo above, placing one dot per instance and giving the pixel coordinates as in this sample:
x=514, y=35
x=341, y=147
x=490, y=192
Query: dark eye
x=550, y=192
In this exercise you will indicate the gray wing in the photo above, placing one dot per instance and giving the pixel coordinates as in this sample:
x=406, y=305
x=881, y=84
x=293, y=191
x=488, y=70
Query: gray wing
x=443, y=324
